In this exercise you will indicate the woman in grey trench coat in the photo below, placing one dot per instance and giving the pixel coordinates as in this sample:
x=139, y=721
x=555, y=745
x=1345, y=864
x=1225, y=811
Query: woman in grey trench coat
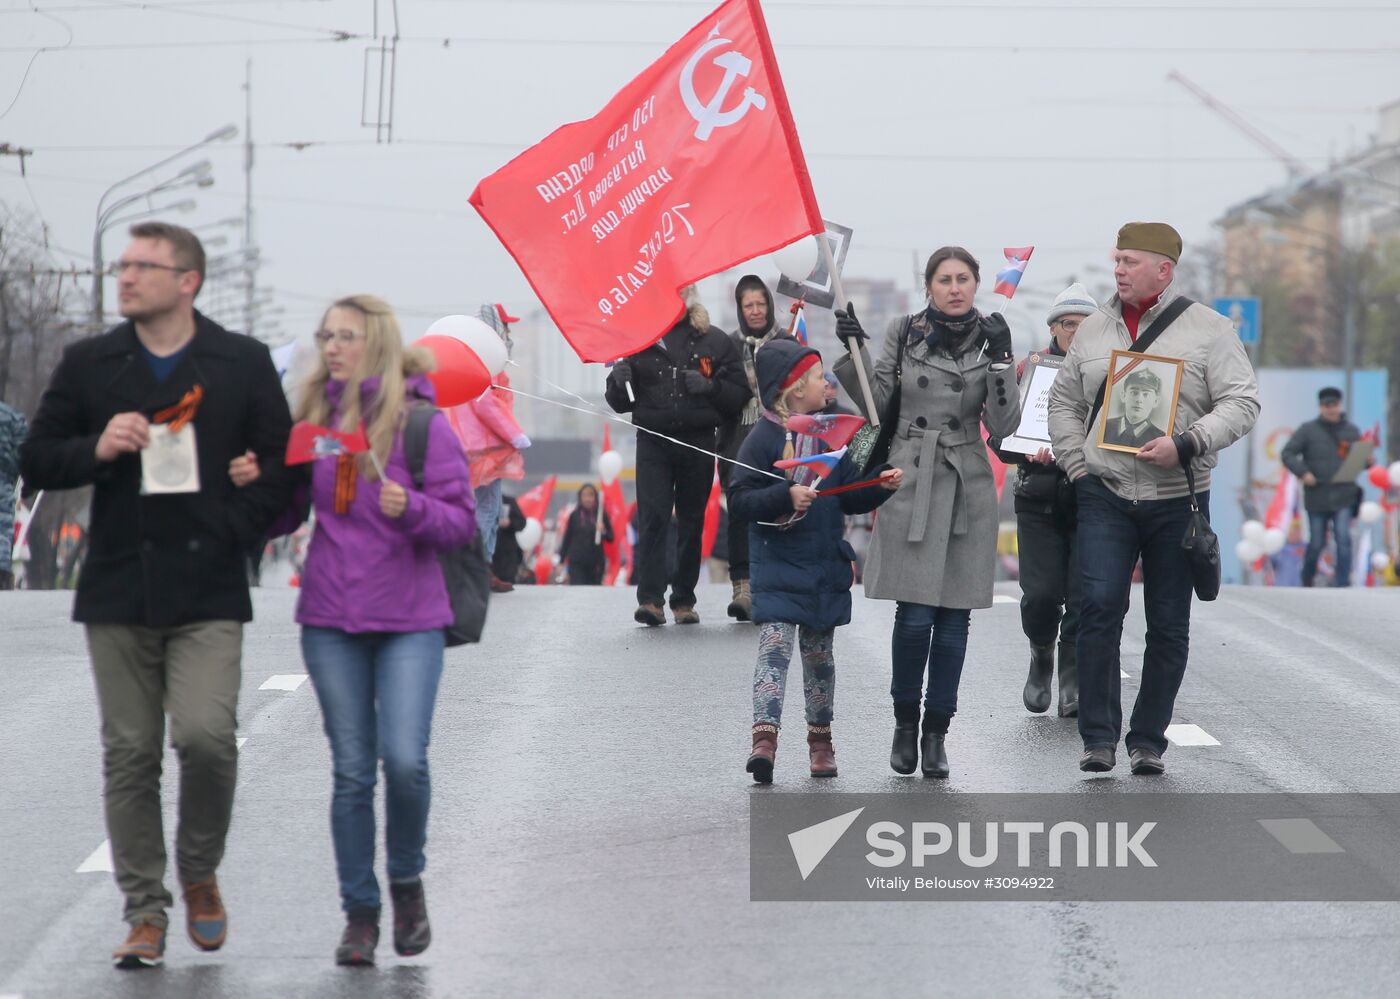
x=934, y=546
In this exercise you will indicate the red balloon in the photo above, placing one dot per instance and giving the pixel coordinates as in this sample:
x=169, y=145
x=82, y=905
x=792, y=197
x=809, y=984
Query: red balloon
x=544, y=569
x=1379, y=476
x=460, y=376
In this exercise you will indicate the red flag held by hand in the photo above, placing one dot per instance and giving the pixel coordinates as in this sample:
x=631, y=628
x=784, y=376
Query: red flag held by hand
x=308, y=442
x=609, y=217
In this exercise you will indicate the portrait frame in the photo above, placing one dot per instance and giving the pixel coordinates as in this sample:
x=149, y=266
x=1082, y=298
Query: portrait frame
x=1033, y=432
x=1119, y=431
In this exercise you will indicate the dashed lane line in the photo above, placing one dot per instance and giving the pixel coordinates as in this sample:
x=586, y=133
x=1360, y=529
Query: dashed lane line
x=1190, y=735
x=284, y=681
x=99, y=861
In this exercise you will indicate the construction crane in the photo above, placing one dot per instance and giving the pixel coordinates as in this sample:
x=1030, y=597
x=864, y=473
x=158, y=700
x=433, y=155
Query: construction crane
x=1291, y=163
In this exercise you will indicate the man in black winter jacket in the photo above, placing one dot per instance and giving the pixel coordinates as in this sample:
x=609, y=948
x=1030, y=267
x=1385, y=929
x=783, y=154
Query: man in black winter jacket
x=151, y=413
x=1315, y=453
x=685, y=386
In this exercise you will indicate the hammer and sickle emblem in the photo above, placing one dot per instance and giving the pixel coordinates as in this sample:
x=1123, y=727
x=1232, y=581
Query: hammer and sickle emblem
x=712, y=115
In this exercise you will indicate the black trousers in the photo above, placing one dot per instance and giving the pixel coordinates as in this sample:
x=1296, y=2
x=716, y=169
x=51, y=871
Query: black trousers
x=1046, y=539
x=738, y=533
x=671, y=476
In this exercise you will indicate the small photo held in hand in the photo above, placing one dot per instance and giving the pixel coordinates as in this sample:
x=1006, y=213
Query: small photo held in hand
x=1140, y=402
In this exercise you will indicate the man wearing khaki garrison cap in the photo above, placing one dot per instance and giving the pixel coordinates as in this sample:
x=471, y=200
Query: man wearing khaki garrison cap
x=1138, y=504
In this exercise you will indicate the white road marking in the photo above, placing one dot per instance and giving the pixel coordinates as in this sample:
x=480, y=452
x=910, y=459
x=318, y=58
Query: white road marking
x=1002, y=598
x=284, y=681
x=1190, y=735
x=239, y=743
x=1301, y=836
x=100, y=860
x=1123, y=674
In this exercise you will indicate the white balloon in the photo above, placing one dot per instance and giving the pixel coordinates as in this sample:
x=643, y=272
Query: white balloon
x=797, y=260
x=1370, y=512
x=1253, y=530
x=1394, y=472
x=609, y=467
x=1274, y=540
x=482, y=339
x=1248, y=552
x=1380, y=561
x=529, y=535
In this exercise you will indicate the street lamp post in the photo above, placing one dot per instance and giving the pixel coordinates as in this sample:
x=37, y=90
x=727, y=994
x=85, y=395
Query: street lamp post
x=196, y=175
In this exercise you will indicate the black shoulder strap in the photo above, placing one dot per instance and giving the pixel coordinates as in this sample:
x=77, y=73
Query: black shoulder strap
x=1169, y=315
x=415, y=439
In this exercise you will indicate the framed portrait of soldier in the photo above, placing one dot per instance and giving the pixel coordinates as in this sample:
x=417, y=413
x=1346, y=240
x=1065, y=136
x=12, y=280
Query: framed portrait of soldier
x=1140, y=400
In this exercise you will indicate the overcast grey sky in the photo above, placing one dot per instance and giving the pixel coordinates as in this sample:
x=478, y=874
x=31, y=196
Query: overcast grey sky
x=986, y=124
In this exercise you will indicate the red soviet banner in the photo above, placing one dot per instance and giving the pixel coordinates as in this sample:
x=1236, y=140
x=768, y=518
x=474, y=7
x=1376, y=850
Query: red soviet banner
x=693, y=167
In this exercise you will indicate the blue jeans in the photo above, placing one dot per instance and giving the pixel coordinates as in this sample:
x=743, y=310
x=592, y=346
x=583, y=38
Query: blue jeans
x=936, y=636
x=1113, y=532
x=1340, y=521
x=377, y=693
x=488, y=515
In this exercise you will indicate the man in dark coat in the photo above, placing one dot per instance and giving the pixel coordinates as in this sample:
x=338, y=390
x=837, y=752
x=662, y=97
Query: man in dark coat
x=151, y=413
x=1315, y=454
x=684, y=386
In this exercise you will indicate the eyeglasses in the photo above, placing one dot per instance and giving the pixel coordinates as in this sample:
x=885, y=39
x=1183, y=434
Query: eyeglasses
x=343, y=337
x=1068, y=325
x=142, y=267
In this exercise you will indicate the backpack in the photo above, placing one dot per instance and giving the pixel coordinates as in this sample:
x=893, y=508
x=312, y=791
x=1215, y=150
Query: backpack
x=465, y=570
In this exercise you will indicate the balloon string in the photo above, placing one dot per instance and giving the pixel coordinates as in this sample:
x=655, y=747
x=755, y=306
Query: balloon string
x=627, y=423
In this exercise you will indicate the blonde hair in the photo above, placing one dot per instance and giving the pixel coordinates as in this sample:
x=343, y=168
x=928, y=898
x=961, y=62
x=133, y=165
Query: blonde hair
x=384, y=357
x=782, y=406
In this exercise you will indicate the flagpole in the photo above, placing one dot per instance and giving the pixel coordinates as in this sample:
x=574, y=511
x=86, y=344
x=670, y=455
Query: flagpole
x=379, y=469
x=871, y=412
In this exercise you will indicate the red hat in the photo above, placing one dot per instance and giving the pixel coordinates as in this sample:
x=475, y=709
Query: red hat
x=804, y=364
x=505, y=316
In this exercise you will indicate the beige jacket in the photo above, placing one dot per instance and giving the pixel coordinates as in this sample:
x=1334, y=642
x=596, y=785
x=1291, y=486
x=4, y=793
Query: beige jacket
x=1218, y=404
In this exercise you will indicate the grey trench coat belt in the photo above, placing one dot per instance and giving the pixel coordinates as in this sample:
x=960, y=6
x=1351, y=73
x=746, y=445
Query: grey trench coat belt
x=936, y=442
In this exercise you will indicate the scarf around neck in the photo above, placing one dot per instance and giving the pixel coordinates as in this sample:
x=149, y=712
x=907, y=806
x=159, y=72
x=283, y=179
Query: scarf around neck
x=954, y=335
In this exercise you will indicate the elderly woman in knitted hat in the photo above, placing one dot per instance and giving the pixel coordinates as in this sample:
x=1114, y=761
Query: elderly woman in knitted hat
x=1046, y=515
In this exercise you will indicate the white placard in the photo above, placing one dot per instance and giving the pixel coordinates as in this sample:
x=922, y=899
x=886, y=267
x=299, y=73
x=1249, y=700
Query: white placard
x=1033, y=432
x=170, y=462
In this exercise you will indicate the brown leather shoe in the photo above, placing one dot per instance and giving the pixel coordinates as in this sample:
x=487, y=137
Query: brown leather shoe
x=205, y=918
x=144, y=947
x=765, y=748
x=685, y=615
x=819, y=749
x=650, y=615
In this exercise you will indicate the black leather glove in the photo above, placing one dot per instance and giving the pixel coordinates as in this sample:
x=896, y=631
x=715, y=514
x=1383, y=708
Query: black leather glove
x=621, y=372
x=998, y=336
x=848, y=327
x=698, y=384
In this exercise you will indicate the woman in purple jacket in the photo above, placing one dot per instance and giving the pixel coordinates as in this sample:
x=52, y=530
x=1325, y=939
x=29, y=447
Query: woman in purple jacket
x=373, y=607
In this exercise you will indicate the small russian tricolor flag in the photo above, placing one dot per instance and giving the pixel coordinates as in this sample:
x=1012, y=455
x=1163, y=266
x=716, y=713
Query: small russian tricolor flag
x=836, y=429
x=822, y=464
x=800, y=330
x=1010, y=275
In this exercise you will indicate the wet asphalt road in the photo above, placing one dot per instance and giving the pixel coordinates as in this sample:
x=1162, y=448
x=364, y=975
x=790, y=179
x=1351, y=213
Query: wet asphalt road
x=590, y=832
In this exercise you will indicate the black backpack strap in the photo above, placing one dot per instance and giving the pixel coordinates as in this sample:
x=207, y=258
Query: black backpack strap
x=415, y=439
x=1169, y=315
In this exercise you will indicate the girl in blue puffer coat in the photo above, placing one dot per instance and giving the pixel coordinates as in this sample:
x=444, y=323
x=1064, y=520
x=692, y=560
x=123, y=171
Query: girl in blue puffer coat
x=800, y=561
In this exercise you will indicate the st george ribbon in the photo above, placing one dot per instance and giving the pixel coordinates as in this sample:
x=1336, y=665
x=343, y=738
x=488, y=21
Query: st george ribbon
x=691, y=168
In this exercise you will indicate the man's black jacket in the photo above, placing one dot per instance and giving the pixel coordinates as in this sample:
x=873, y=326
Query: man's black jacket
x=165, y=560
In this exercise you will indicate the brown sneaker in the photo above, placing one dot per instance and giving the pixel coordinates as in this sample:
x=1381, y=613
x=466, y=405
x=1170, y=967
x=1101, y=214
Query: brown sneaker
x=650, y=615
x=685, y=615
x=204, y=915
x=144, y=947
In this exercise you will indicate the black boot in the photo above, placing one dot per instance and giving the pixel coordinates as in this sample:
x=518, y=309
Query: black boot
x=412, y=934
x=931, y=748
x=1037, y=692
x=904, y=752
x=1069, y=680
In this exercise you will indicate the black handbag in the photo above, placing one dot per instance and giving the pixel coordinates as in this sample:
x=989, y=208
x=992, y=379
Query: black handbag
x=1201, y=548
x=465, y=570
x=870, y=447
